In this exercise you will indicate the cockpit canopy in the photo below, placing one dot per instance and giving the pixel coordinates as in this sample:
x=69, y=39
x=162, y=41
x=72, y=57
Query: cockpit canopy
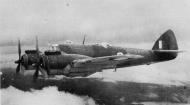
x=68, y=42
x=104, y=44
x=54, y=47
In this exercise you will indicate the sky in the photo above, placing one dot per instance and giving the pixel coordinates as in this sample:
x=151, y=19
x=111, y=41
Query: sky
x=113, y=21
x=129, y=23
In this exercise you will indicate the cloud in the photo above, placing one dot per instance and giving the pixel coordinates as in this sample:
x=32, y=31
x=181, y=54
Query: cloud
x=46, y=96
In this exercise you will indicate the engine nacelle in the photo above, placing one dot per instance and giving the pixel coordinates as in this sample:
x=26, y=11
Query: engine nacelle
x=29, y=59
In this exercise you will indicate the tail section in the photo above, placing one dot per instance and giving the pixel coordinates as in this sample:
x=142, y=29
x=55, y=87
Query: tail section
x=166, y=48
x=167, y=41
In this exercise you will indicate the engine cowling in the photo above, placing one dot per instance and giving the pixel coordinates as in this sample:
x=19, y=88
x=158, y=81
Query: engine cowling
x=52, y=52
x=29, y=59
x=45, y=63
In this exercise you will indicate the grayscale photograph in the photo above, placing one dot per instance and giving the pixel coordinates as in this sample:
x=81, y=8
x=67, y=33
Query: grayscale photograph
x=95, y=52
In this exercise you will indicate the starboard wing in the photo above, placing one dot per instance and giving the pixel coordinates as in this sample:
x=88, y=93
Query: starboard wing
x=104, y=62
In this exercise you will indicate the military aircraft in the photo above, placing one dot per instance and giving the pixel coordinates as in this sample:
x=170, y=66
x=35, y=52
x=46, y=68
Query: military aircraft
x=83, y=60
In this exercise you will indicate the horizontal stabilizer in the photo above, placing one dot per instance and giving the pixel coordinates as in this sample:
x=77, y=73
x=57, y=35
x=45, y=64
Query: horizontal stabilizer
x=169, y=51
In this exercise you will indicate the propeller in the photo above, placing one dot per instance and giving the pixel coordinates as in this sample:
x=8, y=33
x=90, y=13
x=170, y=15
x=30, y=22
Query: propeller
x=39, y=64
x=19, y=61
x=23, y=60
x=36, y=73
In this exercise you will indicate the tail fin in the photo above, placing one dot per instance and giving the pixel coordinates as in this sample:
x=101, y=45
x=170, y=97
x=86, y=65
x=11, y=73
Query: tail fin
x=166, y=48
x=167, y=41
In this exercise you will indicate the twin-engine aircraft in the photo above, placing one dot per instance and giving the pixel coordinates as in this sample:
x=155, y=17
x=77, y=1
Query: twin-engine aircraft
x=83, y=60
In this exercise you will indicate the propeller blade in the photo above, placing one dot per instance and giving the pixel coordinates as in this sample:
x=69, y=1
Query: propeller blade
x=19, y=49
x=18, y=68
x=44, y=73
x=37, y=43
x=36, y=73
x=37, y=48
x=84, y=39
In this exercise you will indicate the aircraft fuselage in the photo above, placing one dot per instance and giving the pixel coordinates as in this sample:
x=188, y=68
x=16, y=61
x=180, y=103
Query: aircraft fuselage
x=149, y=56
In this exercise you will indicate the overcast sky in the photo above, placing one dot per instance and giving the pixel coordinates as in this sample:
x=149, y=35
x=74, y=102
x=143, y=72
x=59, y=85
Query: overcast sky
x=137, y=23
x=113, y=21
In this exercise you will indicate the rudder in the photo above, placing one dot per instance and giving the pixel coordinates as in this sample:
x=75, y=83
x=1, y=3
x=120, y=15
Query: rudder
x=167, y=41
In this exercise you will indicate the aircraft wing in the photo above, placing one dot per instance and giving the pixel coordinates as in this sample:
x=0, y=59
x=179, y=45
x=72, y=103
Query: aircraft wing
x=104, y=62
